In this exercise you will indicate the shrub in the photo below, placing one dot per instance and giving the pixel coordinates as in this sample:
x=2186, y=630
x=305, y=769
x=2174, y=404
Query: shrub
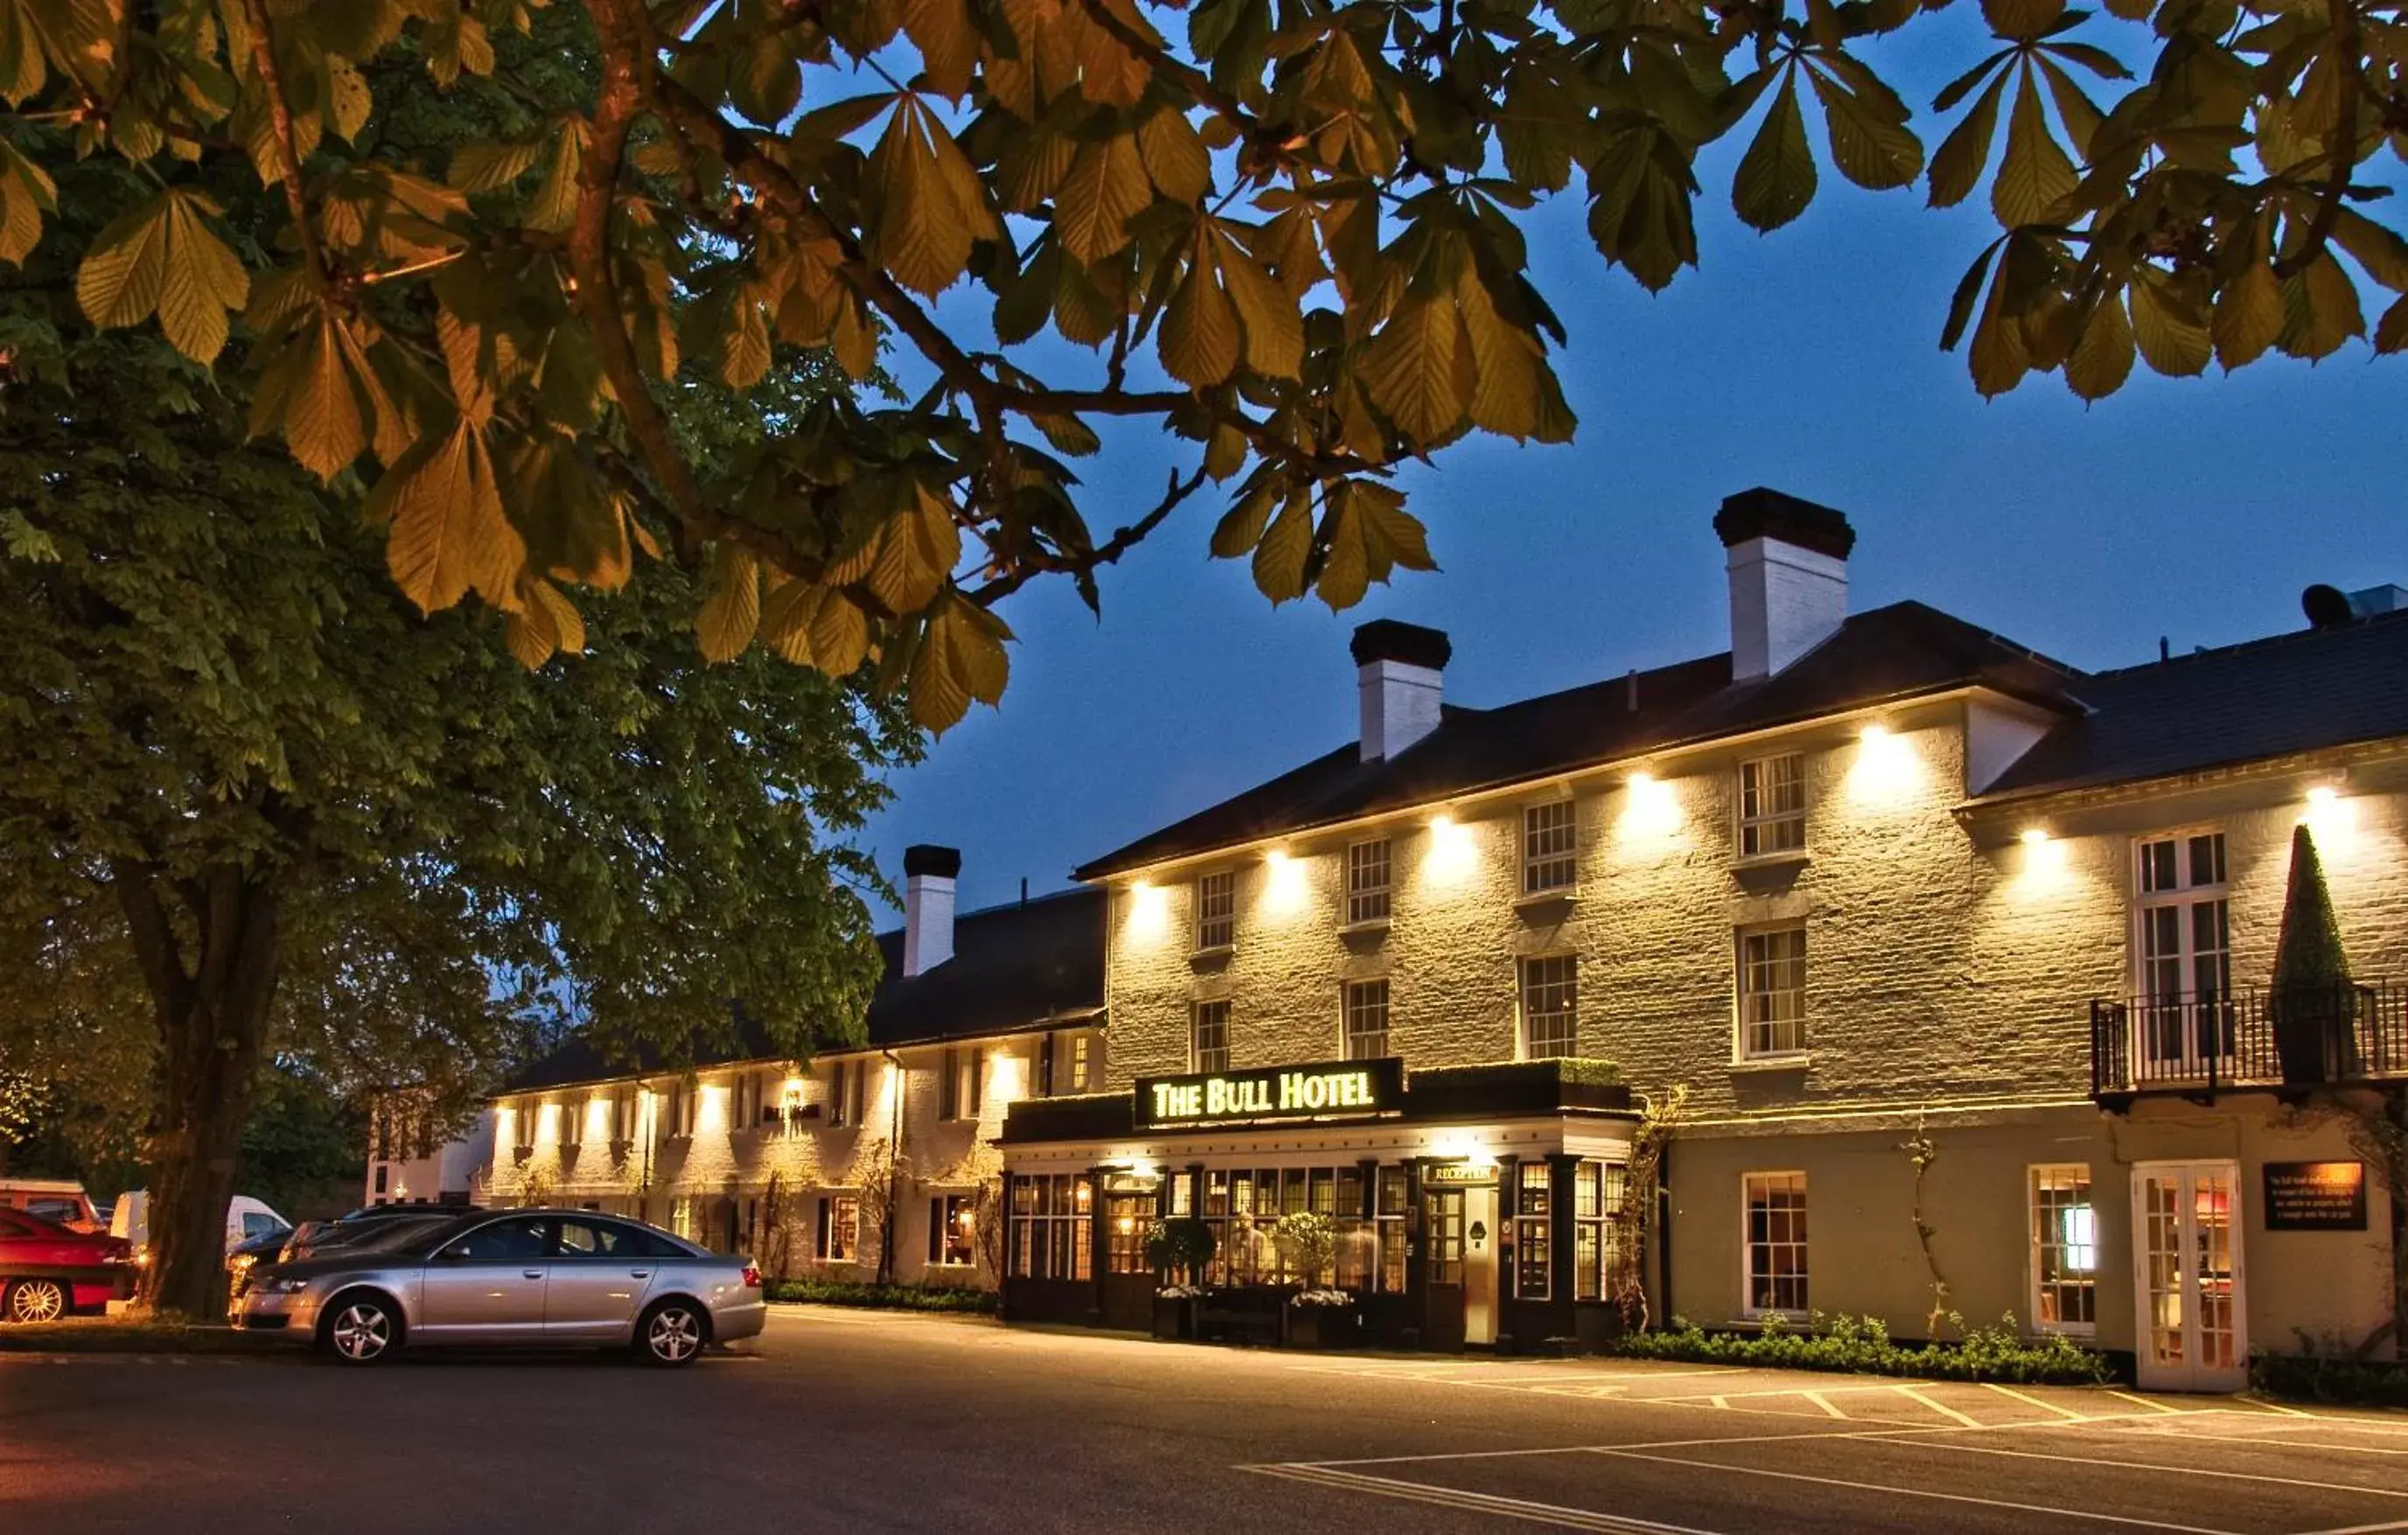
x=1180, y=1245
x=901, y=1297
x=2330, y=1378
x=1863, y=1344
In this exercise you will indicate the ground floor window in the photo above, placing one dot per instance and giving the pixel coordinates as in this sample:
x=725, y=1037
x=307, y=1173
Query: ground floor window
x=2065, y=1249
x=840, y=1234
x=1052, y=1225
x=1243, y=1206
x=1596, y=1228
x=1776, y=1242
x=949, y=1238
x=1129, y=1212
x=1533, y=1249
x=1389, y=1220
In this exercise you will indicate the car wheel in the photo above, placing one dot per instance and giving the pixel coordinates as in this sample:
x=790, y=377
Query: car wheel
x=672, y=1333
x=362, y=1329
x=36, y=1301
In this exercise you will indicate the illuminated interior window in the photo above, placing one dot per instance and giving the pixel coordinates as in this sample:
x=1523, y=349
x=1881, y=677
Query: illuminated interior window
x=2065, y=1248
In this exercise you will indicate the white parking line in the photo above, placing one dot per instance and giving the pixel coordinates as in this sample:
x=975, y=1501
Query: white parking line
x=1524, y=1508
x=1915, y=1492
x=2145, y=1466
x=1968, y=1419
x=2066, y=1413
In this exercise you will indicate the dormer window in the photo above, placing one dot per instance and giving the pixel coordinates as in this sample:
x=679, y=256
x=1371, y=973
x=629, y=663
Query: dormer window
x=1216, y=912
x=1772, y=806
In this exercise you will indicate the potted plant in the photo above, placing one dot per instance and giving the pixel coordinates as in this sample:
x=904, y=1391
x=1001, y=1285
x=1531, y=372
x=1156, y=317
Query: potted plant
x=1318, y=1314
x=1180, y=1249
x=2314, y=1004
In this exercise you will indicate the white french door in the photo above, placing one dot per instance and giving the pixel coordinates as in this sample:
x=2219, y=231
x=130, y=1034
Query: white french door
x=2190, y=1307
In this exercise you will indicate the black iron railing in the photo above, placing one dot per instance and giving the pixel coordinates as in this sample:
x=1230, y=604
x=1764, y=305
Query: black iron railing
x=2255, y=1036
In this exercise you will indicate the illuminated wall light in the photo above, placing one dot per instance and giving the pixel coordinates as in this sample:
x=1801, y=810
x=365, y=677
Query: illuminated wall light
x=1285, y=885
x=1149, y=910
x=2044, y=861
x=1887, y=767
x=1453, y=854
x=2331, y=819
x=1650, y=809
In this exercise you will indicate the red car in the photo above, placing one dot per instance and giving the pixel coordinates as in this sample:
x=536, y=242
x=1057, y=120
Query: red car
x=47, y=1270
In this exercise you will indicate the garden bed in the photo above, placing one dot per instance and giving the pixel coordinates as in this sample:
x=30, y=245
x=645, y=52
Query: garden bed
x=1862, y=1345
x=896, y=1297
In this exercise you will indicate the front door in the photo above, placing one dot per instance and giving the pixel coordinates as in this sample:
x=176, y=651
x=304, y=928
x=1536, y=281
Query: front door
x=487, y=1287
x=1479, y=1247
x=2192, y=1311
x=1442, y=1259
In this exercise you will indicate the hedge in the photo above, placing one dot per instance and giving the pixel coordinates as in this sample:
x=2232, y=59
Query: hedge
x=2330, y=1378
x=901, y=1297
x=1862, y=1344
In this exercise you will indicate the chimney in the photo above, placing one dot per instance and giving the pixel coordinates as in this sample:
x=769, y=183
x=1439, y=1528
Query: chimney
x=1788, y=564
x=1396, y=684
x=928, y=874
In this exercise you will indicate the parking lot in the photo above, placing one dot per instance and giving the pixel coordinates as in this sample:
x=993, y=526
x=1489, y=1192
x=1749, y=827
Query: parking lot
x=852, y=1420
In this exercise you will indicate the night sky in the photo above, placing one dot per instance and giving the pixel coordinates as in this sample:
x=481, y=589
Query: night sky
x=1806, y=360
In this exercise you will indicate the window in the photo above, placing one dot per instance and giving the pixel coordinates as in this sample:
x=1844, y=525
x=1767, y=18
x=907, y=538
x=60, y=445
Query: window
x=1052, y=1225
x=1243, y=1205
x=623, y=1115
x=1042, y=1077
x=1772, y=805
x=1596, y=1228
x=2065, y=1249
x=1216, y=912
x=1533, y=1250
x=839, y=1237
x=1081, y=1063
x=1443, y=1248
x=522, y=1129
x=1388, y=1219
x=950, y=1233
x=1367, y=1020
x=1208, y=1050
x=845, y=1088
x=572, y=1124
x=2185, y=940
x=381, y=1178
x=1547, y=861
x=1367, y=882
x=682, y=1109
x=1776, y=1243
x=949, y=1087
x=1550, y=1007
x=1772, y=990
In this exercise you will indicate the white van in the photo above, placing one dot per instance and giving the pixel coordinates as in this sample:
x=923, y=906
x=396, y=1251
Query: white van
x=246, y=1218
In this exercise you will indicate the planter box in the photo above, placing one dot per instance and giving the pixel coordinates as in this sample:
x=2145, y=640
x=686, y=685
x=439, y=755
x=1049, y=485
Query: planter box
x=1323, y=1327
x=1174, y=1318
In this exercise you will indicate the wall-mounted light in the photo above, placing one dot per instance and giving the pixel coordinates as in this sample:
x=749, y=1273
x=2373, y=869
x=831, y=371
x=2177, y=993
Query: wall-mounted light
x=1651, y=810
x=1149, y=910
x=2331, y=819
x=2044, y=861
x=1452, y=854
x=1285, y=885
x=1887, y=767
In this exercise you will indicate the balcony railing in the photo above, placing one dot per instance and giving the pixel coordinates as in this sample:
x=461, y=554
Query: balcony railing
x=2255, y=1036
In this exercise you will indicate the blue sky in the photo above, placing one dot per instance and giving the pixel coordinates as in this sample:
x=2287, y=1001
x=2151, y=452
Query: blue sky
x=1806, y=360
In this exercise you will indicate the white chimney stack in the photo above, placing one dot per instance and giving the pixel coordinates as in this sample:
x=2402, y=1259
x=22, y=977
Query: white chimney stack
x=1398, y=669
x=928, y=875
x=1788, y=564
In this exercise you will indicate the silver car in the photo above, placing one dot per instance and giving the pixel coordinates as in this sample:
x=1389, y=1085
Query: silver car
x=520, y=1278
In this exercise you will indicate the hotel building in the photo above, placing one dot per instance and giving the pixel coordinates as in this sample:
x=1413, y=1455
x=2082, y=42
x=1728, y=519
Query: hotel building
x=1917, y=971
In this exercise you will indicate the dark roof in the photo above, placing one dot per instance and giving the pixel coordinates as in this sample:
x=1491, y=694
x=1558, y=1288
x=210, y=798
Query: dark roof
x=1015, y=967
x=1892, y=653
x=2305, y=692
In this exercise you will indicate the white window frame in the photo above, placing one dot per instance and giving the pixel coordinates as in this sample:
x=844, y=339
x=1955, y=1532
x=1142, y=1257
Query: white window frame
x=2036, y=1240
x=1368, y=902
x=1747, y=1246
x=1537, y=860
x=1745, y=1026
x=1217, y=888
x=1081, y=1063
x=1196, y=1035
x=2183, y=1027
x=1347, y=1033
x=1522, y=1005
x=1776, y=832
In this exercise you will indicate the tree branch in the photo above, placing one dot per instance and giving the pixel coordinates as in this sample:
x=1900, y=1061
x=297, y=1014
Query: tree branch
x=2341, y=145
x=1107, y=553
x=263, y=55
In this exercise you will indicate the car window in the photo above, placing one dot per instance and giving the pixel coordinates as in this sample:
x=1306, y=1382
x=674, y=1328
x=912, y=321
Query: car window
x=257, y=1224
x=635, y=1241
x=54, y=1210
x=510, y=1238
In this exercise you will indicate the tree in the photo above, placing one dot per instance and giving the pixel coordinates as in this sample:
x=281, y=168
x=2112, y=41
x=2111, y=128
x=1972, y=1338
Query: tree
x=245, y=783
x=1292, y=238
x=2312, y=1001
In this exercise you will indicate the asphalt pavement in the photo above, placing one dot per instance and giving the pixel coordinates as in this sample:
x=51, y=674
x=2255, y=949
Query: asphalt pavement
x=848, y=1421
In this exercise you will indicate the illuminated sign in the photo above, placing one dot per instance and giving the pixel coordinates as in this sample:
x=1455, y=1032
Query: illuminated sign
x=1320, y=1090
x=2315, y=1196
x=1474, y=1173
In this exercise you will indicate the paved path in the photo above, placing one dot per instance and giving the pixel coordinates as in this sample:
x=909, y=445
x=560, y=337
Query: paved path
x=844, y=1420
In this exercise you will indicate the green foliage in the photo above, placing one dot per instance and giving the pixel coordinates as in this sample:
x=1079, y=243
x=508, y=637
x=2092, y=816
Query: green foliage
x=304, y=1149
x=903, y=1298
x=2315, y=1375
x=1309, y=1240
x=2308, y=955
x=1180, y=1245
x=1295, y=238
x=1580, y=1071
x=1862, y=1345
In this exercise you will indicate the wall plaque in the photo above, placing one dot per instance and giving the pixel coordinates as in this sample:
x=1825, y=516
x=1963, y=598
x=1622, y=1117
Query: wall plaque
x=2315, y=1196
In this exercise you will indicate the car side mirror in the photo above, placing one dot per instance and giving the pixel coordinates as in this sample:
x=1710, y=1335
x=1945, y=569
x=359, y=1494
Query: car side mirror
x=453, y=1254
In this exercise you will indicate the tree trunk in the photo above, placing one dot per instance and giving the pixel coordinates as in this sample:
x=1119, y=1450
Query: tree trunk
x=212, y=979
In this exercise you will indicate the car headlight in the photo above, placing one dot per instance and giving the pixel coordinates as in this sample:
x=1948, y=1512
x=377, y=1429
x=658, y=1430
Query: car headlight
x=241, y=1263
x=286, y=1287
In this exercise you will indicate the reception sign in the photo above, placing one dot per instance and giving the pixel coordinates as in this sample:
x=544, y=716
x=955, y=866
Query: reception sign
x=1324, y=1090
x=2315, y=1196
